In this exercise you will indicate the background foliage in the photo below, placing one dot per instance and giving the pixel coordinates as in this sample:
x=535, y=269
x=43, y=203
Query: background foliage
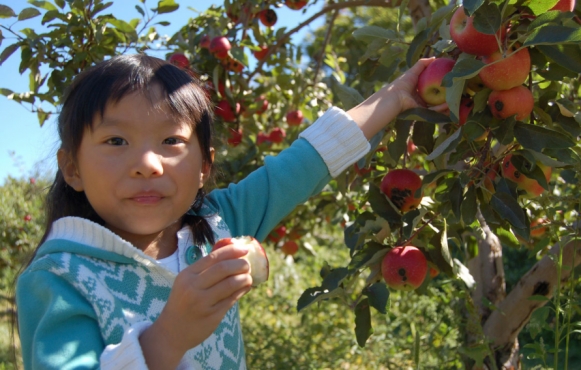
x=354, y=321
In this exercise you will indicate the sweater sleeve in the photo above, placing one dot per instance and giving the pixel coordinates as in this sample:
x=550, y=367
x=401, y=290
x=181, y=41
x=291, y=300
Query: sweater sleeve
x=58, y=328
x=256, y=204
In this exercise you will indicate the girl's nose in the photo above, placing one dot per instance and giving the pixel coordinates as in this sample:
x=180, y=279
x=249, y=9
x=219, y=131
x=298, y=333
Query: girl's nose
x=149, y=164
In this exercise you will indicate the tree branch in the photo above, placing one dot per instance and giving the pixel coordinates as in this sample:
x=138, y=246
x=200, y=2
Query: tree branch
x=514, y=312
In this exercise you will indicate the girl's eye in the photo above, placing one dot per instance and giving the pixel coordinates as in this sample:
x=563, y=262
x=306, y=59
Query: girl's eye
x=173, y=141
x=116, y=141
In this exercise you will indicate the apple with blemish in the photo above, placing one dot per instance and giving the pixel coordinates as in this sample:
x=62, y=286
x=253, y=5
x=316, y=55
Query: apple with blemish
x=404, y=268
x=529, y=185
x=401, y=187
x=267, y=17
x=256, y=256
x=517, y=101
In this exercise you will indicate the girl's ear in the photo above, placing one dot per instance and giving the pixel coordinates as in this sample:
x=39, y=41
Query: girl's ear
x=207, y=168
x=69, y=170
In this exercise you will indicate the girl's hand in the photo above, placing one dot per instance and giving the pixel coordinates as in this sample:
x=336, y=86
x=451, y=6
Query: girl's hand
x=383, y=106
x=201, y=296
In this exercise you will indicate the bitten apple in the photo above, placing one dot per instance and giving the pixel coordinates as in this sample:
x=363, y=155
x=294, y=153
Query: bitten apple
x=256, y=256
x=470, y=40
x=430, y=86
x=505, y=70
x=530, y=186
x=401, y=186
x=517, y=101
x=404, y=268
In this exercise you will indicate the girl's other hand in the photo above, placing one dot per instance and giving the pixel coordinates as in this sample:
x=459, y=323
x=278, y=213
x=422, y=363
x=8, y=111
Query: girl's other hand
x=201, y=296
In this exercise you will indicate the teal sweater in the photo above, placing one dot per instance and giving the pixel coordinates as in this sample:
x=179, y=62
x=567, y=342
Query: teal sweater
x=88, y=294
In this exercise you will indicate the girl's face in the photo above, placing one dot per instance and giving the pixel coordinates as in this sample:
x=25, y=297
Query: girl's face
x=139, y=168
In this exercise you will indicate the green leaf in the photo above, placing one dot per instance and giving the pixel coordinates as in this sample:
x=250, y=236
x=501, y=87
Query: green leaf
x=368, y=33
x=508, y=209
x=464, y=274
x=538, y=138
x=545, y=18
x=366, y=255
x=423, y=135
x=313, y=295
x=440, y=253
x=363, y=328
x=349, y=96
x=538, y=321
x=567, y=56
x=506, y=237
x=488, y=19
x=456, y=193
x=166, y=6
x=424, y=115
x=469, y=206
x=472, y=6
x=6, y=12
x=447, y=145
x=140, y=10
x=378, y=295
x=121, y=25
x=8, y=51
x=46, y=5
x=399, y=145
x=417, y=47
x=28, y=13
x=540, y=7
x=463, y=69
x=382, y=207
x=553, y=35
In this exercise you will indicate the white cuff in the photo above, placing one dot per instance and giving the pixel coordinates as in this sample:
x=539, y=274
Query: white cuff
x=338, y=139
x=126, y=354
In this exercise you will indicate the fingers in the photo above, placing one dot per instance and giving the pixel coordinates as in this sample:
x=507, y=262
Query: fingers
x=442, y=108
x=228, y=252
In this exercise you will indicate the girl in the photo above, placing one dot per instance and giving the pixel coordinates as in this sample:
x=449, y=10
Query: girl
x=124, y=277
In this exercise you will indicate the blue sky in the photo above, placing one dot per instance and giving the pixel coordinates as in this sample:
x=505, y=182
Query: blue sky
x=25, y=147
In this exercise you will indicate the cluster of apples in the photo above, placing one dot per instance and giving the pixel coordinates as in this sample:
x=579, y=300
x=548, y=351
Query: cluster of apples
x=507, y=68
x=289, y=238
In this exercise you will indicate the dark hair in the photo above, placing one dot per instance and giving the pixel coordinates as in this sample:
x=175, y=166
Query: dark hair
x=108, y=82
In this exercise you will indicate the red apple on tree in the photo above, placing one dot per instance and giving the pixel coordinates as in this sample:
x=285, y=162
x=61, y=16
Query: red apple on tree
x=277, y=135
x=401, y=187
x=180, y=60
x=290, y=248
x=295, y=4
x=506, y=70
x=262, y=138
x=404, y=268
x=529, y=185
x=261, y=54
x=294, y=118
x=267, y=17
x=235, y=137
x=224, y=110
x=256, y=256
x=564, y=6
x=232, y=64
x=205, y=42
x=538, y=227
x=219, y=46
x=517, y=101
x=430, y=86
x=470, y=40
x=277, y=234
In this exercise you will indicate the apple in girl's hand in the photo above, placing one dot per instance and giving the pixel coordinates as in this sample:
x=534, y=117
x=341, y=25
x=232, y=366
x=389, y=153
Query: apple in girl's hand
x=430, y=81
x=256, y=256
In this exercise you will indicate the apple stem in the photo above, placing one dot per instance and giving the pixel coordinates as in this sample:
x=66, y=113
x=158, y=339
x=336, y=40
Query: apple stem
x=437, y=214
